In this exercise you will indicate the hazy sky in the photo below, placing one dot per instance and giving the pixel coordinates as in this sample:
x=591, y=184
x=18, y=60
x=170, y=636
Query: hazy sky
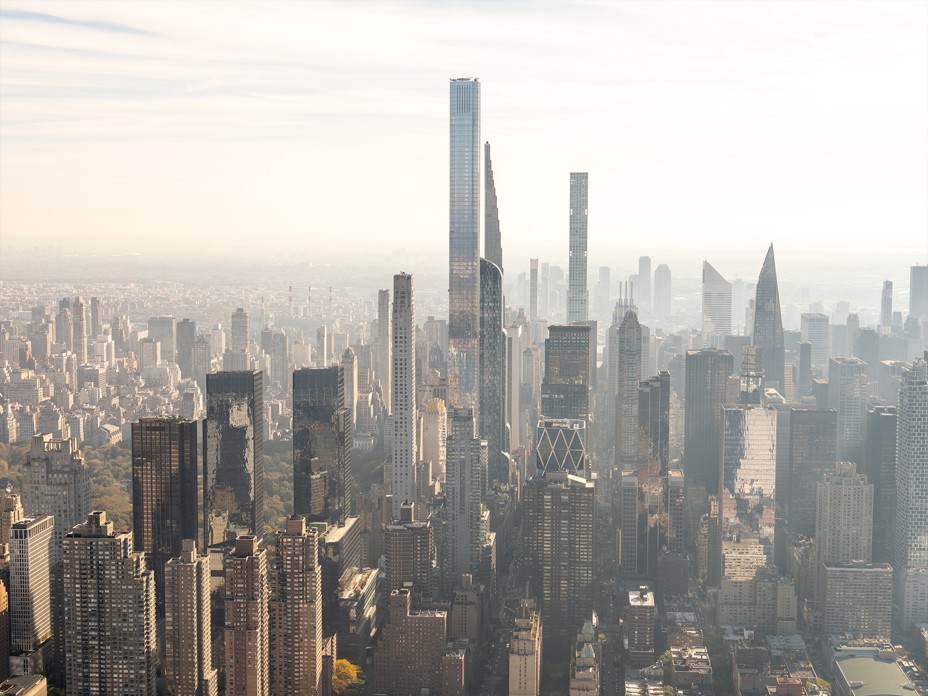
x=309, y=128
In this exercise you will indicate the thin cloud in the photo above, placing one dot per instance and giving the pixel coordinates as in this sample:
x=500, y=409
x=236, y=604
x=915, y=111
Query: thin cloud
x=95, y=24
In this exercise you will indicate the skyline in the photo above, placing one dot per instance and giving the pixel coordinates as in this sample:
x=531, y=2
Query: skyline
x=805, y=121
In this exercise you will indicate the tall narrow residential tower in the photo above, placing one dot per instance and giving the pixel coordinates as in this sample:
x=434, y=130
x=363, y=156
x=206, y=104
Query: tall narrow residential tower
x=577, y=296
x=768, y=325
x=464, y=245
x=493, y=242
x=491, y=424
x=403, y=480
x=384, y=336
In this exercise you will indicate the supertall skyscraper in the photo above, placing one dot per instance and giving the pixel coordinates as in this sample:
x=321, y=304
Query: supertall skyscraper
x=768, y=324
x=493, y=241
x=464, y=245
x=233, y=461
x=911, y=538
x=109, y=612
x=322, y=441
x=403, y=479
x=296, y=612
x=164, y=491
x=577, y=296
x=492, y=425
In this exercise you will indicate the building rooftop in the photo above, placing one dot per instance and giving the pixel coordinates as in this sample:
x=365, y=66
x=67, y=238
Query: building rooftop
x=873, y=676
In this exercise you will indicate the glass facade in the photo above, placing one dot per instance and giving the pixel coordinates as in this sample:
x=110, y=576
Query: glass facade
x=464, y=245
x=577, y=296
x=768, y=324
x=491, y=424
x=750, y=453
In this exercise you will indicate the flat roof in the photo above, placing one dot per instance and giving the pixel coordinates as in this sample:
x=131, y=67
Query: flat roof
x=872, y=676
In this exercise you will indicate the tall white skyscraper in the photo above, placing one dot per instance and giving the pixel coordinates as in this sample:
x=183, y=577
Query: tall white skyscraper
x=643, y=291
x=716, y=303
x=403, y=480
x=910, y=577
x=577, y=296
x=464, y=245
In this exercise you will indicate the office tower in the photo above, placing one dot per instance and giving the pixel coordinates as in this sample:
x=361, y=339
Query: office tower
x=525, y=651
x=812, y=447
x=843, y=519
x=628, y=375
x=676, y=511
x=188, y=657
x=493, y=241
x=200, y=360
x=245, y=634
x=384, y=338
x=109, y=612
x=886, y=307
x=79, y=330
x=768, y=325
x=322, y=442
x=233, y=458
x=627, y=515
x=557, y=537
x=815, y=331
x=409, y=655
x=30, y=599
x=186, y=335
x=512, y=369
x=654, y=419
x=565, y=391
x=465, y=482
x=804, y=387
x=533, y=290
x=577, y=296
x=643, y=290
x=434, y=432
x=560, y=445
x=848, y=391
x=403, y=483
x=855, y=600
x=165, y=508
x=918, y=300
x=640, y=619
x=716, y=303
x=749, y=452
x=56, y=482
x=296, y=612
x=409, y=551
x=464, y=245
x=350, y=367
x=238, y=335
x=96, y=322
x=881, y=472
x=851, y=334
x=163, y=330
x=707, y=373
x=492, y=424
x=662, y=291
x=910, y=590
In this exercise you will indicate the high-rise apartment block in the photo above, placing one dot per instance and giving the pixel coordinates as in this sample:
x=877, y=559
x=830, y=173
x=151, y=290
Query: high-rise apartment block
x=56, y=482
x=296, y=613
x=855, y=598
x=165, y=508
x=557, y=537
x=910, y=591
x=403, y=479
x=640, y=619
x=816, y=332
x=577, y=295
x=245, y=635
x=409, y=550
x=322, y=443
x=79, y=340
x=233, y=461
x=410, y=651
x=464, y=244
x=188, y=642
x=109, y=612
x=164, y=330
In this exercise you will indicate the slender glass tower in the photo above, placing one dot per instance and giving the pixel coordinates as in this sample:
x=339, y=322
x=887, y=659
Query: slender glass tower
x=576, y=270
x=493, y=243
x=768, y=325
x=464, y=245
